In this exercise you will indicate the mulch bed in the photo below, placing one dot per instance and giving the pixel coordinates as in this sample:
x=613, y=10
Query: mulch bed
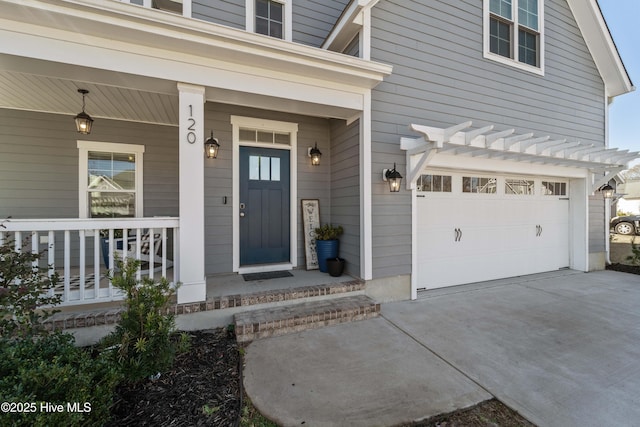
x=490, y=413
x=202, y=389
x=625, y=268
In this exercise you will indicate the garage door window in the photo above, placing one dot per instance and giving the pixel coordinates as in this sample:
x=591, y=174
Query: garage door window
x=519, y=186
x=475, y=184
x=434, y=183
x=550, y=188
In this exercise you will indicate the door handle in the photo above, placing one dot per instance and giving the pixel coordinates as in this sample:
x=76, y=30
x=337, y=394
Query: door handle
x=241, y=214
x=458, y=234
x=538, y=230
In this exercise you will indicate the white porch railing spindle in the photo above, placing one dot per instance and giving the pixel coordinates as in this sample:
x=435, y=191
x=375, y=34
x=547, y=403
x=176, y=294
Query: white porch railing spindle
x=111, y=261
x=152, y=246
x=34, y=248
x=51, y=258
x=125, y=246
x=81, y=236
x=138, y=251
x=164, y=252
x=67, y=265
x=96, y=264
x=176, y=255
x=18, y=242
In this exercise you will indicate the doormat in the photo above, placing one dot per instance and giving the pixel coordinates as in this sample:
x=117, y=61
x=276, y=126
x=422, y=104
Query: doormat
x=265, y=276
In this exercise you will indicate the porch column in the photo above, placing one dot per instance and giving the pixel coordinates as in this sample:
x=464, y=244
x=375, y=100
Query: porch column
x=191, y=154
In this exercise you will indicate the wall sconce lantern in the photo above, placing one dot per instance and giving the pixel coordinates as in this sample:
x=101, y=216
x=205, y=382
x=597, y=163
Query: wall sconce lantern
x=83, y=120
x=393, y=177
x=607, y=191
x=211, y=147
x=315, y=155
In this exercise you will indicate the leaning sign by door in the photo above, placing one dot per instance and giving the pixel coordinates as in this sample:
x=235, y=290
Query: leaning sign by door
x=310, y=221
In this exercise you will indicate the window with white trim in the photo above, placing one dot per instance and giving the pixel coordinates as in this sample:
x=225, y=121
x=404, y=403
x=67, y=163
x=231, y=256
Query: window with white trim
x=513, y=33
x=110, y=184
x=269, y=17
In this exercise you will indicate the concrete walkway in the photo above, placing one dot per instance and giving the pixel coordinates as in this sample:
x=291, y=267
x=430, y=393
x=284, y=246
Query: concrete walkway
x=562, y=348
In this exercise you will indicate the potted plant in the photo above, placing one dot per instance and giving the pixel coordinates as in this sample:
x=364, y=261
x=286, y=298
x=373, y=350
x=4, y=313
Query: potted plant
x=327, y=244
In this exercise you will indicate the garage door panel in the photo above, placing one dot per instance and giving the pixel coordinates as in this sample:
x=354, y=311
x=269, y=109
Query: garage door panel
x=497, y=236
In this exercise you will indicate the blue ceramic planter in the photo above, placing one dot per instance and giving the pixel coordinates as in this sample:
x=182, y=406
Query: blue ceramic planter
x=326, y=249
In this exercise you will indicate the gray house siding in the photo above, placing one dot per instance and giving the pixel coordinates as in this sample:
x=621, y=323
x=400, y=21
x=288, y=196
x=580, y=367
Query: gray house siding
x=313, y=20
x=39, y=163
x=313, y=181
x=224, y=12
x=440, y=78
x=39, y=167
x=345, y=190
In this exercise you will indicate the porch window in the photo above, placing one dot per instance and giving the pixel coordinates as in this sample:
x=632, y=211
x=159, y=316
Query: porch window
x=110, y=180
x=514, y=33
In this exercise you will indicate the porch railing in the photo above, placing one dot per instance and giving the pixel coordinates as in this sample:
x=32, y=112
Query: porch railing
x=83, y=251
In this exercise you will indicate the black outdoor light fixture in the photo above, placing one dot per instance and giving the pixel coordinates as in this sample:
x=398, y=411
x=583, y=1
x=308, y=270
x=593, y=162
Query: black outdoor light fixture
x=83, y=120
x=315, y=155
x=393, y=177
x=607, y=191
x=211, y=147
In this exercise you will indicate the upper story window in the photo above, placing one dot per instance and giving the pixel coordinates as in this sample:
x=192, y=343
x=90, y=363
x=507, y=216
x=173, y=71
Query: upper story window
x=513, y=33
x=270, y=17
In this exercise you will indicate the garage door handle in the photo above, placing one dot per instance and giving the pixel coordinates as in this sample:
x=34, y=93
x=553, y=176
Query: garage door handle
x=538, y=230
x=458, y=235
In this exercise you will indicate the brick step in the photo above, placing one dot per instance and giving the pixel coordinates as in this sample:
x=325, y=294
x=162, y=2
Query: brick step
x=86, y=317
x=275, y=321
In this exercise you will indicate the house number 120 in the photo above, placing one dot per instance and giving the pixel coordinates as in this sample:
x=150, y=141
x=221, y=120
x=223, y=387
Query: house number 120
x=191, y=134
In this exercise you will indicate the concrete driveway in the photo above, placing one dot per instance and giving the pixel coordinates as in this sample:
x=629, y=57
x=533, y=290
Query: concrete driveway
x=563, y=349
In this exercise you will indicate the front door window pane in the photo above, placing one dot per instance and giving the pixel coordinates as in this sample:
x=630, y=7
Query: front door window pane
x=275, y=169
x=254, y=168
x=265, y=169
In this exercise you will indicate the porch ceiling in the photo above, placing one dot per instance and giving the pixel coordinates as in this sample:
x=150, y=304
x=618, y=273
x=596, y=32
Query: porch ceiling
x=131, y=100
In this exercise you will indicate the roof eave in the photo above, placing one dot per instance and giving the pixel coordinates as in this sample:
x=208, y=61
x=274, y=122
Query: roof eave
x=602, y=47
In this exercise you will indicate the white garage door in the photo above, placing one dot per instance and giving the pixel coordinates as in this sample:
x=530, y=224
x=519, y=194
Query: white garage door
x=474, y=227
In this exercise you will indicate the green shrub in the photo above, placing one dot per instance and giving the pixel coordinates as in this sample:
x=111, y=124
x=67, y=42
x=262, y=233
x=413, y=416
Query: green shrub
x=328, y=232
x=23, y=290
x=635, y=250
x=37, y=368
x=50, y=369
x=142, y=343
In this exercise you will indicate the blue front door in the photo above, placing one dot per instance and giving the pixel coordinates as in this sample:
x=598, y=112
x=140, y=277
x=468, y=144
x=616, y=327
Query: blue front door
x=264, y=206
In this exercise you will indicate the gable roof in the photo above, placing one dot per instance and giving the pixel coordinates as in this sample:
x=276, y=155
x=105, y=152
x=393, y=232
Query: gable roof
x=605, y=54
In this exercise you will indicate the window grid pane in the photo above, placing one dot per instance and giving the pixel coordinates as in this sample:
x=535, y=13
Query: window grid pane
x=269, y=18
x=519, y=186
x=434, y=183
x=550, y=188
x=500, y=38
x=501, y=8
x=472, y=184
x=528, y=48
x=528, y=13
